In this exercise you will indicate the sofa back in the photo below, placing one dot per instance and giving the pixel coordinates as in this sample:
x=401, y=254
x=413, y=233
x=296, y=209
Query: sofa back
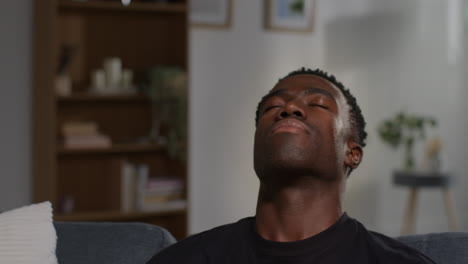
x=443, y=248
x=117, y=243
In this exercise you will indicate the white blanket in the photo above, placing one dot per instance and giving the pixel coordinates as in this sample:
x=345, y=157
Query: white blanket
x=27, y=235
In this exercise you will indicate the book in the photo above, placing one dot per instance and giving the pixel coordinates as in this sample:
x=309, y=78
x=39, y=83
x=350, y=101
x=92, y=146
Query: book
x=144, y=193
x=79, y=135
x=163, y=185
x=165, y=206
x=128, y=191
x=151, y=199
x=79, y=128
x=87, y=141
x=142, y=172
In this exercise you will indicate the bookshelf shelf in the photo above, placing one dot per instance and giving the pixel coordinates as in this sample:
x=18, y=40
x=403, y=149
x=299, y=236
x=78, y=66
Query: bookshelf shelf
x=114, y=149
x=116, y=6
x=116, y=215
x=90, y=98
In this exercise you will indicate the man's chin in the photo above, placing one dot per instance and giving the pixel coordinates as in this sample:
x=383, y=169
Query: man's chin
x=290, y=154
x=285, y=173
x=292, y=159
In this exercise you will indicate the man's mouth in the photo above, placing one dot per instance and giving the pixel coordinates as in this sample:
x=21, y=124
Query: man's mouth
x=291, y=125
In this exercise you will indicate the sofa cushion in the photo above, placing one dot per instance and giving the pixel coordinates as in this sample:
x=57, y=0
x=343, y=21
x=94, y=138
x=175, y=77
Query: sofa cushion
x=27, y=235
x=117, y=243
x=443, y=248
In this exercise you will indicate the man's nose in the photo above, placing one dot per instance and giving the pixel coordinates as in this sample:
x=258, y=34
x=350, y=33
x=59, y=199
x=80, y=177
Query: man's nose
x=293, y=109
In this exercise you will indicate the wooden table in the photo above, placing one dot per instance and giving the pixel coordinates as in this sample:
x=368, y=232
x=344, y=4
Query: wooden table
x=418, y=180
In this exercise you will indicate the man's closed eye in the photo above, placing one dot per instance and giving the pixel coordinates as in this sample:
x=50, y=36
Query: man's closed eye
x=319, y=105
x=271, y=107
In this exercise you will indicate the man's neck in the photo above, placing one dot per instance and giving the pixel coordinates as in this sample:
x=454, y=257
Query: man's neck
x=297, y=212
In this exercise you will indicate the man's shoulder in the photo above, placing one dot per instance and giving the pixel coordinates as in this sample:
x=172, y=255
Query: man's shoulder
x=197, y=247
x=393, y=251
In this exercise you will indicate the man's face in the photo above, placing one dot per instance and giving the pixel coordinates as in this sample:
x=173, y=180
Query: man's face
x=302, y=129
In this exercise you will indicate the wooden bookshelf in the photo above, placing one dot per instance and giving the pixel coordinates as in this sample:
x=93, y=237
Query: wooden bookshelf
x=143, y=35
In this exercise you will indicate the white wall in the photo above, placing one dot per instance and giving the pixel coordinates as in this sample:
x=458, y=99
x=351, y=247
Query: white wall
x=392, y=54
x=15, y=106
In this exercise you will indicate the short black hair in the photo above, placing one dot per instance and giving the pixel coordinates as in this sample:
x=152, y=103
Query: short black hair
x=357, y=122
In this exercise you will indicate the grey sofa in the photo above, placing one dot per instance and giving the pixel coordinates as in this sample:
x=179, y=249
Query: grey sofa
x=116, y=243
x=443, y=248
x=121, y=243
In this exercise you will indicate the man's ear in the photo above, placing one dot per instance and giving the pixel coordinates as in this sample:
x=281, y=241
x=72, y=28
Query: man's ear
x=353, y=155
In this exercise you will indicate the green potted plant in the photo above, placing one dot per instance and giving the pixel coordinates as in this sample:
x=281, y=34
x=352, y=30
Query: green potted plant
x=404, y=129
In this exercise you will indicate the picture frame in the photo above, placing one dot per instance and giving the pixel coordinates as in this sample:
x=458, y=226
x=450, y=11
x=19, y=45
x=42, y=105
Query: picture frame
x=289, y=15
x=211, y=13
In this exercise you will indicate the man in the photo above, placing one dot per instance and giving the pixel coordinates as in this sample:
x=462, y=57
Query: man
x=310, y=136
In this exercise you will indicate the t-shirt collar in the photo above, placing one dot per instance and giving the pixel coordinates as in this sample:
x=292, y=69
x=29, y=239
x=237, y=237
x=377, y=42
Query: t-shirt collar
x=319, y=242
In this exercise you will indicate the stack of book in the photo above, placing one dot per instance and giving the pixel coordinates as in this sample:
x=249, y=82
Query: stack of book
x=144, y=193
x=77, y=135
x=162, y=193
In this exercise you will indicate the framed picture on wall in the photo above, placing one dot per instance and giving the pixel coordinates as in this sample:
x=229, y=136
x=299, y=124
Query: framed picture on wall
x=289, y=15
x=211, y=13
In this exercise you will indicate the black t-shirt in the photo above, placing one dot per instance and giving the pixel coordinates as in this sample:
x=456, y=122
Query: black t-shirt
x=347, y=241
